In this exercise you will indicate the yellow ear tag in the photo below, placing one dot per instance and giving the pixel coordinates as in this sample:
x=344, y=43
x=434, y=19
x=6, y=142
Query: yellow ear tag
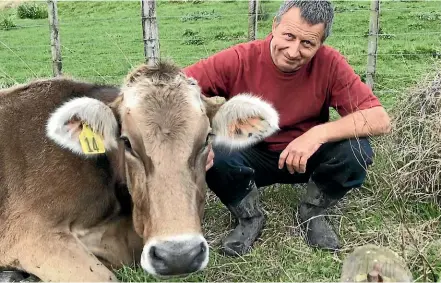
x=91, y=143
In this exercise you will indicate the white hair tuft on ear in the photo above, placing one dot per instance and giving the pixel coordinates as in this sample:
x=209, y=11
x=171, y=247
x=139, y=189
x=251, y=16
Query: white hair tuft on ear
x=244, y=120
x=63, y=124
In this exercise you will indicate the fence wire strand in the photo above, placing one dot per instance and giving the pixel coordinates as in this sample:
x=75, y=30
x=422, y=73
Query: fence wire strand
x=129, y=56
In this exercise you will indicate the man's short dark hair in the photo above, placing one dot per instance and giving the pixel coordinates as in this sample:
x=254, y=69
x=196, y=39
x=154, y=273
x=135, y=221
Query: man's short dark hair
x=313, y=11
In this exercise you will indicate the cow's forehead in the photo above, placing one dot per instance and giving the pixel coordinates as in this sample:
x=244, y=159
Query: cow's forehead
x=166, y=138
x=182, y=88
x=172, y=114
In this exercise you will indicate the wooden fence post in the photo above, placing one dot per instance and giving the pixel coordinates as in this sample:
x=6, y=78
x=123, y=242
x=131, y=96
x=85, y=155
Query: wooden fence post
x=252, y=19
x=150, y=33
x=55, y=37
x=373, y=43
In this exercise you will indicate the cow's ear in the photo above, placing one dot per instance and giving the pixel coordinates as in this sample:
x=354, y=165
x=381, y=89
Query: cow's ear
x=84, y=125
x=241, y=121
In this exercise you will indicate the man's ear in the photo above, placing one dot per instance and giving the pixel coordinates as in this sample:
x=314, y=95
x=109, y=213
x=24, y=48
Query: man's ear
x=84, y=125
x=242, y=121
x=275, y=24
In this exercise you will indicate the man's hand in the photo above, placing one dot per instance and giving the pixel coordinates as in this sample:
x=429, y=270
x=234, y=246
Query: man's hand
x=297, y=153
x=369, y=122
x=210, y=159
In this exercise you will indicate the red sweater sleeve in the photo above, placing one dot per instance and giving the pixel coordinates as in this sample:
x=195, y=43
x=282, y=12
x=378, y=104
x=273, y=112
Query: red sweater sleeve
x=216, y=73
x=348, y=92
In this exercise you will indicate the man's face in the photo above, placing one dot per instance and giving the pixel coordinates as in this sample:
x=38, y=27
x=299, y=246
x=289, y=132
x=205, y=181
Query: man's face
x=294, y=41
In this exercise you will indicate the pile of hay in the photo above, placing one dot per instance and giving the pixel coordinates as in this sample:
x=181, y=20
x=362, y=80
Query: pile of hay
x=412, y=152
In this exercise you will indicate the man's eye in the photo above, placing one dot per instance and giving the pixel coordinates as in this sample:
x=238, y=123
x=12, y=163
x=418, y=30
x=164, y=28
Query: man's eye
x=289, y=36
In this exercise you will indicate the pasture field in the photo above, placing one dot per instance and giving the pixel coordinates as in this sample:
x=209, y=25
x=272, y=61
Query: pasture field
x=102, y=40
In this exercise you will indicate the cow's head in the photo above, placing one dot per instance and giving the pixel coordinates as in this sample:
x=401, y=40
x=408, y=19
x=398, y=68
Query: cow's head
x=164, y=128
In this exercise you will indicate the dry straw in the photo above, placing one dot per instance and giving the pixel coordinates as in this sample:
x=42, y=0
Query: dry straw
x=409, y=170
x=412, y=152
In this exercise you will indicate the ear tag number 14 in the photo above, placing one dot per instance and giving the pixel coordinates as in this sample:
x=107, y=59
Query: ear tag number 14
x=91, y=142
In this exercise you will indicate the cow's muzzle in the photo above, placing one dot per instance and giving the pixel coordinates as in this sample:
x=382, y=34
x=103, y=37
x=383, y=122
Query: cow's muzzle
x=174, y=256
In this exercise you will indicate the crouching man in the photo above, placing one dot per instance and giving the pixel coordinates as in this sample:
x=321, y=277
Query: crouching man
x=293, y=69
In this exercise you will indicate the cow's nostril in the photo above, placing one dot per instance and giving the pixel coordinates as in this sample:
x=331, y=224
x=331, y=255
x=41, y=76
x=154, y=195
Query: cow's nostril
x=202, y=248
x=155, y=255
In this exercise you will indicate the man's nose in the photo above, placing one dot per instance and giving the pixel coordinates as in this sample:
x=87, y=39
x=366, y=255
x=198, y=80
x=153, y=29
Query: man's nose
x=293, y=50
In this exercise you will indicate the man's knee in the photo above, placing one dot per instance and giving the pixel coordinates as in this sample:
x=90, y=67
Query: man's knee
x=356, y=153
x=354, y=156
x=224, y=160
x=228, y=166
x=343, y=165
x=230, y=177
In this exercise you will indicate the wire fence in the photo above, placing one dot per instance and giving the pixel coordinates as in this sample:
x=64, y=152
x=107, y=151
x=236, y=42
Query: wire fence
x=101, y=41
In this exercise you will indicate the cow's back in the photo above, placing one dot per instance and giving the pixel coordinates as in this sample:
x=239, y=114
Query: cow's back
x=39, y=181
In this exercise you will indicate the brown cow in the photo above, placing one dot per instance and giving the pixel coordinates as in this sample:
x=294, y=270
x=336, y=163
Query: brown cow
x=95, y=177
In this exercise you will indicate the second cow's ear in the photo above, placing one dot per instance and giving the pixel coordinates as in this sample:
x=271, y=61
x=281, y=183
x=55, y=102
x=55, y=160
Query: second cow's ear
x=86, y=126
x=241, y=121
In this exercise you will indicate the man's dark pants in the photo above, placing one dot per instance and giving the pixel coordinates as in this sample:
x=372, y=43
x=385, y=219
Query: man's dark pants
x=335, y=168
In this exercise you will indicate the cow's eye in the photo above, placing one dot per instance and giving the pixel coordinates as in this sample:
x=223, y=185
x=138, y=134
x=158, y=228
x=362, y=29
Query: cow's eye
x=208, y=139
x=127, y=144
x=192, y=81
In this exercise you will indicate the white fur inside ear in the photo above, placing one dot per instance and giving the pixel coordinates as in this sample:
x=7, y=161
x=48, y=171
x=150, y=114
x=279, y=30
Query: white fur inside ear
x=95, y=113
x=195, y=94
x=242, y=107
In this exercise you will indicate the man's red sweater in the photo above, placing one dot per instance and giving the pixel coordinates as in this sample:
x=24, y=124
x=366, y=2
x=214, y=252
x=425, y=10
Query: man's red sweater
x=302, y=98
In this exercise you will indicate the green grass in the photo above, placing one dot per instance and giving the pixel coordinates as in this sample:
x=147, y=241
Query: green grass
x=101, y=41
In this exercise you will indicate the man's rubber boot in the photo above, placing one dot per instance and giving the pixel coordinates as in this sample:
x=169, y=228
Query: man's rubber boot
x=312, y=208
x=250, y=220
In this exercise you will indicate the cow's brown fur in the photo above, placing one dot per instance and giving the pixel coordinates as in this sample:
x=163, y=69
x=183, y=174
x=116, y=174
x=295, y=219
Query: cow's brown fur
x=63, y=215
x=50, y=196
x=175, y=159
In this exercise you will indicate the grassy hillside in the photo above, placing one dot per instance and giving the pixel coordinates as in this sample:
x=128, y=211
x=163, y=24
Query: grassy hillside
x=101, y=41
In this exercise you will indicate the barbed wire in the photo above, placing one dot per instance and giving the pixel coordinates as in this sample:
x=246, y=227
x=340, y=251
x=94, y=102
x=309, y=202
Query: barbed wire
x=139, y=40
x=140, y=55
x=61, y=24
x=349, y=54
